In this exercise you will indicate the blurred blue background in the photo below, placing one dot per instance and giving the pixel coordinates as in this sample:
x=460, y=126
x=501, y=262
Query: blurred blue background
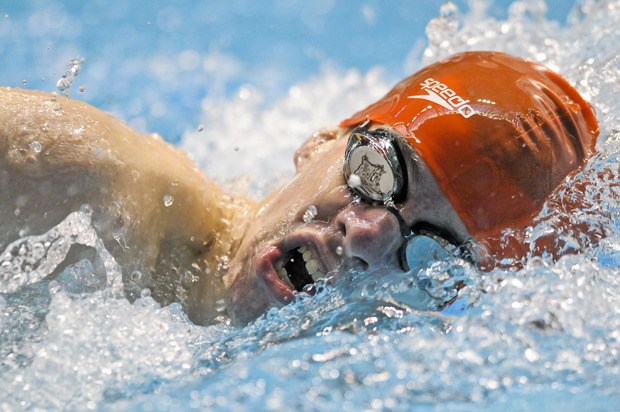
x=152, y=62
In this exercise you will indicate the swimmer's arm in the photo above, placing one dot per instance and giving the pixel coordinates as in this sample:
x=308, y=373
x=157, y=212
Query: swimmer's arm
x=62, y=140
x=151, y=204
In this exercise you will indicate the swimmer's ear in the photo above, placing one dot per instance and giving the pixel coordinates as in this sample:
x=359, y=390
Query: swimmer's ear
x=310, y=146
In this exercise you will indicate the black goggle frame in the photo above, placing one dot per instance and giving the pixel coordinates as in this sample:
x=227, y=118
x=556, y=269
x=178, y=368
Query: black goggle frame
x=374, y=169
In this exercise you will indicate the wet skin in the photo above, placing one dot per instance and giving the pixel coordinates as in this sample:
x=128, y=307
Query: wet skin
x=85, y=156
x=345, y=233
x=88, y=157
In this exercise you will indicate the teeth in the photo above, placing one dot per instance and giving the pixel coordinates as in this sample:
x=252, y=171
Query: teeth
x=307, y=255
x=306, y=252
x=284, y=276
x=312, y=265
x=317, y=275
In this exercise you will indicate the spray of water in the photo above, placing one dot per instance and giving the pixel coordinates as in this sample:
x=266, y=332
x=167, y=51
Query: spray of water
x=542, y=335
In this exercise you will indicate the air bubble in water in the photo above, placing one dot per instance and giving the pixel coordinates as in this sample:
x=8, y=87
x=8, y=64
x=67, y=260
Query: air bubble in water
x=339, y=250
x=168, y=200
x=201, y=127
x=310, y=213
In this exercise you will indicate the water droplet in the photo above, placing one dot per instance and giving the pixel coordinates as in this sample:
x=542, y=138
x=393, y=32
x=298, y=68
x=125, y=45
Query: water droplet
x=135, y=276
x=63, y=84
x=168, y=200
x=36, y=146
x=189, y=277
x=54, y=287
x=201, y=127
x=531, y=355
x=354, y=181
x=86, y=209
x=73, y=69
x=310, y=213
x=441, y=29
x=82, y=88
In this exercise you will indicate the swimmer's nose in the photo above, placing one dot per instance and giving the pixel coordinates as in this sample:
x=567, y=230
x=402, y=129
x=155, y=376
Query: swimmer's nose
x=370, y=233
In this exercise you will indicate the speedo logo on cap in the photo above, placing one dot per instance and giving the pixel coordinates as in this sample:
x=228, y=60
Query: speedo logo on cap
x=441, y=94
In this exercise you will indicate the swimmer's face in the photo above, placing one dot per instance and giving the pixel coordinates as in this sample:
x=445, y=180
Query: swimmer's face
x=315, y=226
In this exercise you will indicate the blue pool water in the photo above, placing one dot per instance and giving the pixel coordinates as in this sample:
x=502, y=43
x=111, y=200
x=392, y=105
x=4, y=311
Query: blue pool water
x=543, y=337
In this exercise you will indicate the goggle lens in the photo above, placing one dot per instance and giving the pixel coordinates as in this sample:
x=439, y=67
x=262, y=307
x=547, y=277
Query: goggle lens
x=374, y=167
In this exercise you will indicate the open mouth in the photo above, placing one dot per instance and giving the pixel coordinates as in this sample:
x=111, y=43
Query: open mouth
x=300, y=267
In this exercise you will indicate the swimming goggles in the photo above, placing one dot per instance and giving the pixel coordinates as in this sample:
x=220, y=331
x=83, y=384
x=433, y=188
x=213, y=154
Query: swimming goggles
x=375, y=170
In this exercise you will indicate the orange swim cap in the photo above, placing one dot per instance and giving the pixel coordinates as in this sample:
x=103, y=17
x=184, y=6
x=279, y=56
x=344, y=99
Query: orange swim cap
x=499, y=134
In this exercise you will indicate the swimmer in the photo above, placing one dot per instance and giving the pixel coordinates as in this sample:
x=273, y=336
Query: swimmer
x=453, y=155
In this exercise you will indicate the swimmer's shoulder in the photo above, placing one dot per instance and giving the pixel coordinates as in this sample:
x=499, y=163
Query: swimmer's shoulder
x=59, y=130
x=53, y=128
x=34, y=111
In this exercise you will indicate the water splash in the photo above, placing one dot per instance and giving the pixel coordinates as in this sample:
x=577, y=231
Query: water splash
x=30, y=259
x=441, y=30
x=544, y=336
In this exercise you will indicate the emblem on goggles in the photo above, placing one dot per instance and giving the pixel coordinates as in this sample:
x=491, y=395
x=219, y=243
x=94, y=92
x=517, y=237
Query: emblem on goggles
x=373, y=176
x=372, y=167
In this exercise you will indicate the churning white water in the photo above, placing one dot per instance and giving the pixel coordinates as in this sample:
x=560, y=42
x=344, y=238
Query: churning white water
x=543, y=337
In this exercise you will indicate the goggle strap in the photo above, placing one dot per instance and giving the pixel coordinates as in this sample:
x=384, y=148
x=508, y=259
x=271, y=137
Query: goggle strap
x=405, y=231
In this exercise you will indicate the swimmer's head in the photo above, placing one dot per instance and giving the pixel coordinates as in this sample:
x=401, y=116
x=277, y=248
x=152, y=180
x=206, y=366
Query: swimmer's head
x=457, y=152
x=498, y=133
